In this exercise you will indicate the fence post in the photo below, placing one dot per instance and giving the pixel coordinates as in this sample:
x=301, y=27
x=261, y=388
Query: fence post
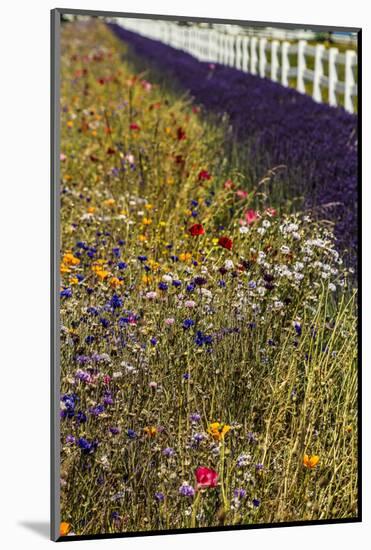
x=238, y=52
x=274, y=60
x=245, y=54
x=350, y=58
x=262, y=56
x=253, y=55
x=285, y=64
x=332, y=76
x=318, y=72
x=300, y=85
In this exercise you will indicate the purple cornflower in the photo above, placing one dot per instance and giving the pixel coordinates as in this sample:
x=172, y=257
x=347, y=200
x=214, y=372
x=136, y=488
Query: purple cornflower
x=160, y=497
x=168, y=451
x=114, y=430
x=195, y=417
x=186, y=490
x=256, y=502
x=131, y=434
x=239, y=493
x=70, y=439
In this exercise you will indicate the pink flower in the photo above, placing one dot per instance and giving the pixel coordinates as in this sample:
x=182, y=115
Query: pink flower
x=106, y=379
x=228, y=184
x=241, y=194
x=271, y=211
x=169, y=321
x=62, y=157
x=251, y=216
x=190, y=304
x=151, y=295
x=205, y=477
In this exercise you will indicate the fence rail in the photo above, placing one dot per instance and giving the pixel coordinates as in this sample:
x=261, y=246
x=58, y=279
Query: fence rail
x=277, y=60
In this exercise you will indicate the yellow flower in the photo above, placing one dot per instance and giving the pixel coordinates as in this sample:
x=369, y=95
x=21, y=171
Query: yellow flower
x=215, y=241
x=64, y=528
x=70, y=124
x=64, y=268
x=170, y=181
x=146, y=279
x=162, y=224
x=91, y=209
x=115, y=282
x=142, y=238
x=74, y=280
x=310, y=461
x=185, y=256
x=218, y=430
x=70, y=259
x=155, y=265
x=146, y=221
x=151, y=431
x=148, y=206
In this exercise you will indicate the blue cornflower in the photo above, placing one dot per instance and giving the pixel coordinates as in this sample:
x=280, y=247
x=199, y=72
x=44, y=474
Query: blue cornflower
x=104, y=322
x=115, y=301
x=256, y=502
x=202, y=339
x=142, y=258
x=153, y=341
x=131, y=434
x=190, y=287
x=81, y=417
x=66, y=293
x=114, y=430
x=239, y=493
x=297, y=327
x=163, y=286
x=122, y=265
x=187, y=323
x=176, y=283
x=221, y=283
x=87, y=447
x=97, y=410
x=174, y=258
x=116, y=252
x=89, y=339
x=160, y=497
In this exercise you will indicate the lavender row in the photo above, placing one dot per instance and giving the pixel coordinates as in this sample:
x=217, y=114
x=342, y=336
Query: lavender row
x=317, y=142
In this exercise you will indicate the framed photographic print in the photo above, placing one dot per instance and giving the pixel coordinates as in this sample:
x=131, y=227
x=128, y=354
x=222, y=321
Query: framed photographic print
x=206, y=193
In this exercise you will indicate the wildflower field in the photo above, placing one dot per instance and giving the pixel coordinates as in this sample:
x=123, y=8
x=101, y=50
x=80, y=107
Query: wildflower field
x=208, y=320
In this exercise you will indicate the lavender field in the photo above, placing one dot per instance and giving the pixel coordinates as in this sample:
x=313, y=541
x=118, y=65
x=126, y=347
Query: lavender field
x=208, y=302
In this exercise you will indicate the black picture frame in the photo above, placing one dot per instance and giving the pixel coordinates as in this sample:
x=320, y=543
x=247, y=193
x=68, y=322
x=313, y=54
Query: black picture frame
x=56, y=17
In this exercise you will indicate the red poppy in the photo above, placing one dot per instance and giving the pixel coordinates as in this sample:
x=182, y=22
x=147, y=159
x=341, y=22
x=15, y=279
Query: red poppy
x=204, y=175
x=110, y=151
x=196, y=229
x=225, y=242
x=206, y=477
x=251, y=216
x=180, y=134
x=134, y=126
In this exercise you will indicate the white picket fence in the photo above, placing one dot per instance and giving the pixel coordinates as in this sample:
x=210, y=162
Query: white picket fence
x=228, y=45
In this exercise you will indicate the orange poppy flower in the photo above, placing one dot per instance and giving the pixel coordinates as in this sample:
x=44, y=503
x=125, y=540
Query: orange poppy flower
x=310, y=461
x=64, y=528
